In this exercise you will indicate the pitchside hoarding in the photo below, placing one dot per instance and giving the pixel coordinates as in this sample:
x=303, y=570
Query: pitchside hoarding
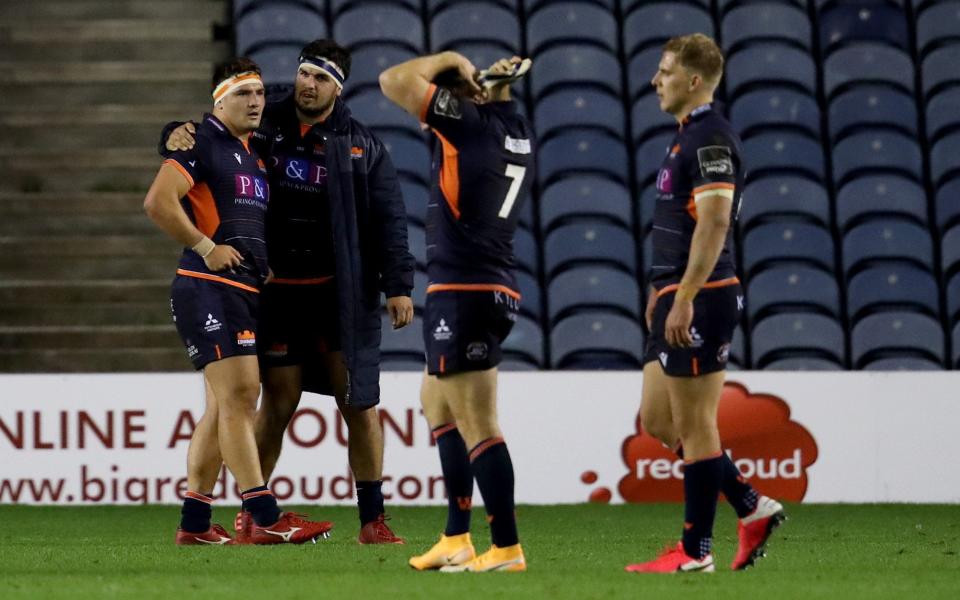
x=574, y=437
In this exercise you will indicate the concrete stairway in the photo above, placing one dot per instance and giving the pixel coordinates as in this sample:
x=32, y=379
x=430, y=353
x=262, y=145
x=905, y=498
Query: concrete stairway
x=84, y=275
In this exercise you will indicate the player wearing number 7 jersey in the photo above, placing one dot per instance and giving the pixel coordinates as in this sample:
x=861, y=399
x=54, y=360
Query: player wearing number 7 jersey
x=482, y=166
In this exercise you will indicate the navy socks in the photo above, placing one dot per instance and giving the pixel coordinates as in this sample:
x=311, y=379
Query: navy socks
x=370, y=500
x=701, y=485
x=196, y=512
x=493, y=469
x=458, y=477
x=261, y=503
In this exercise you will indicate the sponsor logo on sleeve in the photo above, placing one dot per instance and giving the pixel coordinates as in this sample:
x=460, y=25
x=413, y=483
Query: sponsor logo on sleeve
x=517, y=146
x=715, y=160
x=447, y=105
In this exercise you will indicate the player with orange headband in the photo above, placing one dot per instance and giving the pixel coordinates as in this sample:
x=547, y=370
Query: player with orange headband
x=213, y=200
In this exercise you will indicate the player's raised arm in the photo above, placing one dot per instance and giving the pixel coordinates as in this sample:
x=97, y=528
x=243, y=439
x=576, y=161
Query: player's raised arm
x=407, y=84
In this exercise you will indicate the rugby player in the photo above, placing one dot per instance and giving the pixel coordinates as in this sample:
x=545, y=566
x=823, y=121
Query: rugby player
x=213, y=200
x=335, y=243
x=693, y=306
x=482, y=167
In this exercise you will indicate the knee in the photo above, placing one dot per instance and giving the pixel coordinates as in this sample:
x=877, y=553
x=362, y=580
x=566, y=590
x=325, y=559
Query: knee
x=241, y=397
x=356, y=419
x=659, y=426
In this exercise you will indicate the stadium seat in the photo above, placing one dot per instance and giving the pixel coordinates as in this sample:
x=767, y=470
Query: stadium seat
x=572, y=107
x=877, y=151
x=379, y=23
x=368, y=62
x=867, y=63
x=872, y=106
x=955, y=338
x=409, y=154
x=783, y=153
x=582, y=151
x=776, y=108
x=640, y=71
x=902, y=363
x=652, y=24
x=953, y=299
x=725, y=6
x=938, y=25
x=570, y=22
x=774, y=197
x=373, y=109
x=647, y=256
x=585, y=197
x=417, y=240
x=525, y=342
x=596, y=341
x=526, y=251
x=792, y=288
x=738, y=353
x=803, y=363
x=789, y=335
x=787, y=241
x=648, y=205
x=769, y=63
x=241, y=7
x=648, y=120
x=405, y=343
x=601, y=243
x=842, y=23
x=771, y=21
x=943, y=158
x=419, y=294
x=511, y=362
x=475, y=22
x=593, y=288
x=948, y=204
x=888, y=334
x=943, y=114
x=530, y=296
x=892, y=286
x=649, y=156
x=886, y=239
x=880, y=195
x=280, y=24
x=575, y=65
x=278, y=64
x=415, y=198
x=339, y=6
x=939, y=70
x=950, y=251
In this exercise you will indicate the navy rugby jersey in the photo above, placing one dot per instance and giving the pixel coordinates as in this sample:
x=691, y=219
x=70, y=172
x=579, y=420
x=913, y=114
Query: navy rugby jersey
x=227, y=202
x=705, y=155
x=482, y=167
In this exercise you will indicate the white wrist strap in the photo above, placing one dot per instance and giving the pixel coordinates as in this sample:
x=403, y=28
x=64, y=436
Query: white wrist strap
x=204, y=247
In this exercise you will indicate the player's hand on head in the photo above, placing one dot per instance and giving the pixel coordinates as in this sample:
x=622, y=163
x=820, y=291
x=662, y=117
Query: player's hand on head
x=400, y=309
x=677, y=328
x=223, y=257
x=468, y=73
x=182, y=138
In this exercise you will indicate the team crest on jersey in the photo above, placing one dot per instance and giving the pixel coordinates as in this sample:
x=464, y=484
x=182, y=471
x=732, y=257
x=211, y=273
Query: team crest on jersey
x=447, y=105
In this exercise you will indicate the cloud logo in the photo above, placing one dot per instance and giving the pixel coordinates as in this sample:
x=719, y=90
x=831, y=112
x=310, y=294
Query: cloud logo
x=771, y=451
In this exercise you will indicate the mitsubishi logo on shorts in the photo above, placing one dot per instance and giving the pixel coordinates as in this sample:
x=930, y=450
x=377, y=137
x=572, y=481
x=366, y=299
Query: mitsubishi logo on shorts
x=663, y=359
x=442, y=332
x=212, y=323
x=695, y=336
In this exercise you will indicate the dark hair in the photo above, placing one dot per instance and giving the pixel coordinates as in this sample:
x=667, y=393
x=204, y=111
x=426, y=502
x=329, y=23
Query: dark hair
x=231, y=67
x=330, y=50
x=453, y=81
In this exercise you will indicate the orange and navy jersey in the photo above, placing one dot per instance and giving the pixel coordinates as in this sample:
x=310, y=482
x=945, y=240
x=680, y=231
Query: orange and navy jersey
x=227, y=202
x=704, y=159
x=483, y=166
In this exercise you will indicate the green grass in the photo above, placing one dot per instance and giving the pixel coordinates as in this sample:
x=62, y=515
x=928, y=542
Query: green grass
x=848, y=551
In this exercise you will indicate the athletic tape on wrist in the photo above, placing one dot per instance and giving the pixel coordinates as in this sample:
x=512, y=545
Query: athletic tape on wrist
x=204, y=247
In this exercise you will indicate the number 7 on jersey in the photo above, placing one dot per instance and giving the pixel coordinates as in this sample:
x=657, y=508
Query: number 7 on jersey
x=516, y=173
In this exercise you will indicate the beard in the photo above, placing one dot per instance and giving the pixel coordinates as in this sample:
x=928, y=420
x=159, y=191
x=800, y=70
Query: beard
x=314, y=111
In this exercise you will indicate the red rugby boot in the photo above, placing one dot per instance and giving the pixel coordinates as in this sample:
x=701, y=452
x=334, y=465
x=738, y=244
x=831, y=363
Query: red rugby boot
x=215, y=536
x=754, y=530
x=673, y=559
x=291, y=528
x=378, y=532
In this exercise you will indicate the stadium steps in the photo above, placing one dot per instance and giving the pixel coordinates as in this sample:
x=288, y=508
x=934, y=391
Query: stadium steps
x=99, y=360
x=72, y=214
x=89, y=337
x=54, y=169
x=198, y=10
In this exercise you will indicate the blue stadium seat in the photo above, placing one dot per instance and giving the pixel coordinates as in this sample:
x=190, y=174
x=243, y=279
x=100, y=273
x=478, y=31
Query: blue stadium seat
x=379, y=23
x=405, y=343
x=939, y=70
x=803, y=363
x=956, y=345
x=415, y=198
x=585, y=197
x=649, y=120
x=582, y=151
x=948, y=204
x=953, y=299
x=784, y=196
x=872, y=106
x=787, y=241
x=410, y=154
x=531, y=298
x=373, y=109
x=594, y=288
x=654, y=23
x=902, y=363
x=938, y=25
x=339, y=6
x=280, y=24
x=894, y=333
x=943, y=158
x=526, y=250
x=572, y=107
x=647, y=256
x=886, y=239
x=843, y=23
x=738, y=351
x=241, y=7
x=417, y=240
x=648, y=204
x=367, y=62
x=880, y=195
x=892, y=286
x=867, y=63
x=596, y=340
x=640, y=71
x=950, y=251
x=783, y=153
x=514, y=363
x=771, y=21
x=769, y=63
x=278, y=64
x=776, y=108
x=419, y=294
x=725, y=6
x=525, y=342
x=649, y=156
x=575, y=65
x=877, y=151
x=627, y=6
x=788, y=335
x=943, y=114
x=599, y=243
x=475, y=22
x=792, y=288
x=570, y=22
